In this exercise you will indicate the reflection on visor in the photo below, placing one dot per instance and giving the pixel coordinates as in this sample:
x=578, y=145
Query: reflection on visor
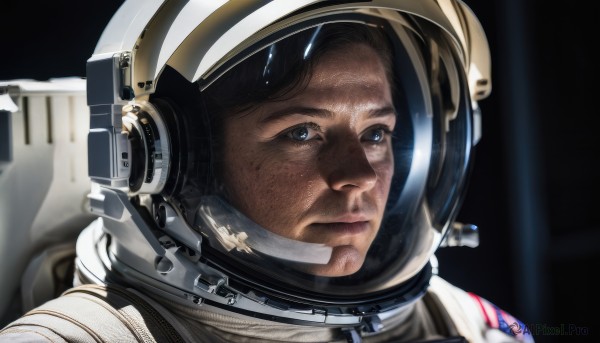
x=310, y=44
x=232, y=230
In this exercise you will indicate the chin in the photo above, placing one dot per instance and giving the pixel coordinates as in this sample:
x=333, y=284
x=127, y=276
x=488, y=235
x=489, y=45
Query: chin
x=345, y=260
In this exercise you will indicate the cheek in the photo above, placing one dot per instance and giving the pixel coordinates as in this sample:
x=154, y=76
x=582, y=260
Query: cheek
x=270, y=191
x=385, y=172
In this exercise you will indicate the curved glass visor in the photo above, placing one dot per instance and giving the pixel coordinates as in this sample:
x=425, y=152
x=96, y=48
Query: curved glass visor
x=329, y=144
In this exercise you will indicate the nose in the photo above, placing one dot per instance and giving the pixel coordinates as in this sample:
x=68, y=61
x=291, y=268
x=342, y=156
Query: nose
x=348, y=168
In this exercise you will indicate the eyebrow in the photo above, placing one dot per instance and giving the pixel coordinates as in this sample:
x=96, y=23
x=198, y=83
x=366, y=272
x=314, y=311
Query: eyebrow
x=321, y=113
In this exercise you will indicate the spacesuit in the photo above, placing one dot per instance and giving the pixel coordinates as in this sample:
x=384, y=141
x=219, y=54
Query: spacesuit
x=277, y=171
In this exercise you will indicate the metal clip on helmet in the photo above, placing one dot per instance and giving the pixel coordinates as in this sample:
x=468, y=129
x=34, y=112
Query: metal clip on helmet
x=167, y=225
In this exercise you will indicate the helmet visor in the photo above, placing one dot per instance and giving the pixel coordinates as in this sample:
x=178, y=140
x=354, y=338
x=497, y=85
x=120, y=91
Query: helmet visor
x=338, y=152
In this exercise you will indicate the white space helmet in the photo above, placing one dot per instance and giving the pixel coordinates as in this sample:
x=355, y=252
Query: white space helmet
x=165, y=77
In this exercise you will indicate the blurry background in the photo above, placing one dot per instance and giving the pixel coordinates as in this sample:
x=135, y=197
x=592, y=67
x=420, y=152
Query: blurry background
x=535, y=187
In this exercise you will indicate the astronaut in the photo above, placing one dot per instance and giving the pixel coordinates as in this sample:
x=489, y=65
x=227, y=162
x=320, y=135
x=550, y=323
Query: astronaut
x=277, y=171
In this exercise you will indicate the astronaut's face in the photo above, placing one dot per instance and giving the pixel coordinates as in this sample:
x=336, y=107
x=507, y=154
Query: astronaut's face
x=317, y=167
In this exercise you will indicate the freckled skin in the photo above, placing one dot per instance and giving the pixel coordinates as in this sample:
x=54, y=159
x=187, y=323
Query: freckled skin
x=304, y=190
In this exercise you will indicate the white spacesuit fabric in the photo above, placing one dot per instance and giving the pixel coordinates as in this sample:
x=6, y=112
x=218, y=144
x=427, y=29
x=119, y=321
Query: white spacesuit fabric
x=278, y=171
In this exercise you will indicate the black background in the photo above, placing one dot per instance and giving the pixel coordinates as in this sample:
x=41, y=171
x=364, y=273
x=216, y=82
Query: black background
x=535, y=184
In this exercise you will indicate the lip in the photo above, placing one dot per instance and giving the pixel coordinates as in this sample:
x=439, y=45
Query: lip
x=347, y=218
x=344, y=228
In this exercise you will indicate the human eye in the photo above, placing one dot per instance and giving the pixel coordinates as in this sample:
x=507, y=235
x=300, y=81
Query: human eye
x=376, y=135
x=303, y=132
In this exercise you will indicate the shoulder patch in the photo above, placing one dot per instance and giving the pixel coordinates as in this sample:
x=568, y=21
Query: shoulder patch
x=497, y=318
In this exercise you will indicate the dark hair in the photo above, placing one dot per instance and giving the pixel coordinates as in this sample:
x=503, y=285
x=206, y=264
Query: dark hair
x=274, y=73
x=281, y=70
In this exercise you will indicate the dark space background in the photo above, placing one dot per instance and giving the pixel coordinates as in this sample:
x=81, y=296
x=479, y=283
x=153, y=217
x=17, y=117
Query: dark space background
x=535, y=187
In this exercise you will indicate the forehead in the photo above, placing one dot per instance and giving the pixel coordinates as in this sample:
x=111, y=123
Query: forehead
x=347, y=79
x=350, y=64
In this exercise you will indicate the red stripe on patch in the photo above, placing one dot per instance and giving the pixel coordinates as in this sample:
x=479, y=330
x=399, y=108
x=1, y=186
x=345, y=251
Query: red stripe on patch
x=482, y=308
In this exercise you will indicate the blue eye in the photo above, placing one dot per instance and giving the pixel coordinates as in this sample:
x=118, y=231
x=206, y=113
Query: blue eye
x=376, y=135
x=304, y=132
x=299, y=133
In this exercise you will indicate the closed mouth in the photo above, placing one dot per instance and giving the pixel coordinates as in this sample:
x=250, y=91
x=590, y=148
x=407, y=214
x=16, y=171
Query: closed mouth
x=343, y=228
